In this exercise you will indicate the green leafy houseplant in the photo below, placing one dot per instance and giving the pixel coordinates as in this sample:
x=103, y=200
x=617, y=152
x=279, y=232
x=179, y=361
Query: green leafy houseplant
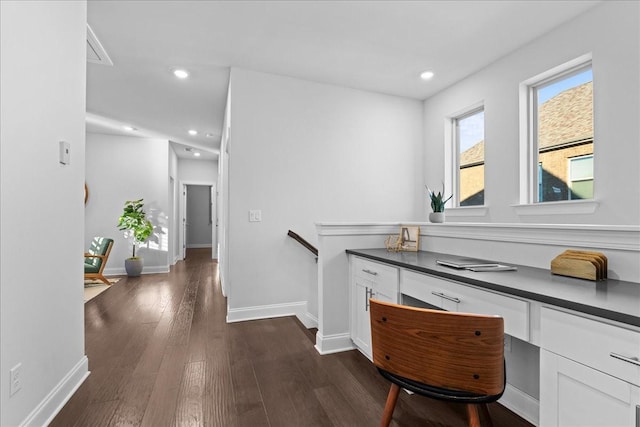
x=437, y=202
x=134, y=223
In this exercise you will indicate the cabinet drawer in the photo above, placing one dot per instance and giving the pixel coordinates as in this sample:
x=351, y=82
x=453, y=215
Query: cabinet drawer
x=421, y=287
x=454, y=296
x=609, y=348
x=384, y=277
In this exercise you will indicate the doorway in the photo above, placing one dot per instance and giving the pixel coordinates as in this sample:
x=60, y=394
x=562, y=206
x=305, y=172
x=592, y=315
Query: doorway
x=199, y=218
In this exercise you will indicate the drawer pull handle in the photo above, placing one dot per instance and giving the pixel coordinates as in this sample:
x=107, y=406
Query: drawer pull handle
x=375, y=273
x=445, y=296
x=633, y=360
x=637, y=415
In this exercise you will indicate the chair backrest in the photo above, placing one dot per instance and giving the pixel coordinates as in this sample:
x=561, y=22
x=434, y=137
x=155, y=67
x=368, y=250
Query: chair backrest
x=99, y=246
x=455, y=351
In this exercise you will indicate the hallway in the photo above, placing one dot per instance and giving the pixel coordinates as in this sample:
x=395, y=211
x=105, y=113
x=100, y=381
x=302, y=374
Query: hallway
x=161, y=354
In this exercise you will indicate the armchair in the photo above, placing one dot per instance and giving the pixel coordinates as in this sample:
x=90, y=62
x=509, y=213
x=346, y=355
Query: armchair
x=96, y=259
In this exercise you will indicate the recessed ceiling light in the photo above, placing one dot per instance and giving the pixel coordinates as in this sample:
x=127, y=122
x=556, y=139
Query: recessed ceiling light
x=427, y=75
x=196, y=154
x=130, y=128
x=193, y=132
x=180, y=73
x=209, y=135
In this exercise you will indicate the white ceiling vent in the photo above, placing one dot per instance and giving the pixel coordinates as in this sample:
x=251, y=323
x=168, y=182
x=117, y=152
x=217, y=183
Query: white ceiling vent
x=95, y=52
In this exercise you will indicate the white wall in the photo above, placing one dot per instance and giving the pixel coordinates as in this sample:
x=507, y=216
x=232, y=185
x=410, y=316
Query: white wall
x=42, y=81
x=222, y=202
x=198, y=171
x=610, y=32
x=302, y=152
x=120, y=168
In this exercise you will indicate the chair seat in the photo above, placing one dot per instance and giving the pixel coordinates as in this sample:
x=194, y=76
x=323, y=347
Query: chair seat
x=90, y=268
x=459, y=396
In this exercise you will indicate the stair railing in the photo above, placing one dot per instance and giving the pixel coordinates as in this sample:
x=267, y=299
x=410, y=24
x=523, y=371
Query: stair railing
x=304, y=243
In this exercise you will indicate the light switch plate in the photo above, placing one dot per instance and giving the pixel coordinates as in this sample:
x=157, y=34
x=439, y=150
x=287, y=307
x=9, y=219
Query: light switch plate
x=255, y=215
x=65, y=153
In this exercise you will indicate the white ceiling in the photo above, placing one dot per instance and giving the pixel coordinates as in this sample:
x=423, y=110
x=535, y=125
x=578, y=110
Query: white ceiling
x=379, y=46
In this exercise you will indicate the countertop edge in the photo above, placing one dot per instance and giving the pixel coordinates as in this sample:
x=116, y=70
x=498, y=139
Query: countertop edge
x=546, y=299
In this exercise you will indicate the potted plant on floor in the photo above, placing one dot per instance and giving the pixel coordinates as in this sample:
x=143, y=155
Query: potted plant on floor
x=437, y=204
x=136, y=227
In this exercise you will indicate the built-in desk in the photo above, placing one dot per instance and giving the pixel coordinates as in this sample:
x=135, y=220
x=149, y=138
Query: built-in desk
x=585, y=335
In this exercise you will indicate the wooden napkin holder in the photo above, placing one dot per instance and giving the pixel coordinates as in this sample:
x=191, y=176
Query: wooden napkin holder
x=580, y=264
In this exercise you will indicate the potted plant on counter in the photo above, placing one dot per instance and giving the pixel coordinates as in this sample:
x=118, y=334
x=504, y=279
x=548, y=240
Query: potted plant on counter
x=437, y=204
x=138, y=228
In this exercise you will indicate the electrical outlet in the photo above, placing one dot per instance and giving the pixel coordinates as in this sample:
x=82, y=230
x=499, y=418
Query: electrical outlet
x=507, y=343
x=16, y=379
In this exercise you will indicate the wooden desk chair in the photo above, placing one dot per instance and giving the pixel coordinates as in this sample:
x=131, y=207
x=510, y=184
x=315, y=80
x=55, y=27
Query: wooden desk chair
x=457, y=357
x=96, y=259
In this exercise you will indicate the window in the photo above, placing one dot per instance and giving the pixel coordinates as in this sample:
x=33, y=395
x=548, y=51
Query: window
x=581, y=177
x=469, y=157
x=561, y=138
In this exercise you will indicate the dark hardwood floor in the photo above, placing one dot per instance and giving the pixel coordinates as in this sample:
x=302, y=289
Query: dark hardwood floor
x=161, y=354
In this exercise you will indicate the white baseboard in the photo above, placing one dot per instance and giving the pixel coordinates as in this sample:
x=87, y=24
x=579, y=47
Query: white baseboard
x=297, y=309
x=521, y=404
x=309, y=321
x=151, y=269
x=44, y=413
x=199, y=245
x=328, y=344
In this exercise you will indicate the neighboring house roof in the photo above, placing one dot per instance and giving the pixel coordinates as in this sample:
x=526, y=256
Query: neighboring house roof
x=559, y=124
x=567, y=117
x=473, y=155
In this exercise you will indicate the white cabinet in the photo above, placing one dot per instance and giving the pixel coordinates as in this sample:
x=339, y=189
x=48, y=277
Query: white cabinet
x=360, y=326
x=369, y=279
x=589, y=372
x=575, y=395
x=455, y=296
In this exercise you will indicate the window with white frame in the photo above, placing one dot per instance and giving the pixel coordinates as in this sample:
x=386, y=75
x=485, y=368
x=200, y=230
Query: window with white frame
x=581, y=177
x=560, y=138
x=468, y=140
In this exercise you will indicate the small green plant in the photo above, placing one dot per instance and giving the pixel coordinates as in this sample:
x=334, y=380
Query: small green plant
x=437, y=202
x=134, y=223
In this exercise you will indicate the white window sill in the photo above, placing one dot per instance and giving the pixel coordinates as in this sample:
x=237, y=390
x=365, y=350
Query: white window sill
x=466, y=211
x=557, y=208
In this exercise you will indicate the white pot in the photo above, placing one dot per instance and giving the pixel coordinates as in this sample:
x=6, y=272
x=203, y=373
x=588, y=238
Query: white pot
x=436, y=217
x=133, y=266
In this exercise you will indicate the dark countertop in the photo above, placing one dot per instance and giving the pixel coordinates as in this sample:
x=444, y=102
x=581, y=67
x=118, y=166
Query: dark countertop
x=611, y=299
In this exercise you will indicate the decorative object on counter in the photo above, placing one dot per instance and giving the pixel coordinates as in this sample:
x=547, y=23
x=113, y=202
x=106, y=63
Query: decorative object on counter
x=407, y=241
x=474, y=264
x=137, y=228
x=581, y=264
x=437, y=204
x=410, y=238
x=393, y=243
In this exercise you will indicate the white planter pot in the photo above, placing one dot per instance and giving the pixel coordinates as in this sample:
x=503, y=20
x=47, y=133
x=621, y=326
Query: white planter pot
x=133, y=266
x=436, y=217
